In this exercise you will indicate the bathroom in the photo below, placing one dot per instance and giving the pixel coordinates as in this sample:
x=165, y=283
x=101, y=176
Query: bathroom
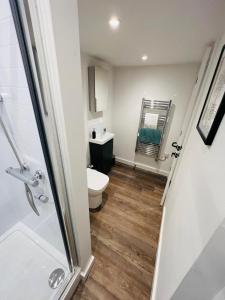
x=25, y=218
x=130, y=86
x=94, y=112
x=113, y=100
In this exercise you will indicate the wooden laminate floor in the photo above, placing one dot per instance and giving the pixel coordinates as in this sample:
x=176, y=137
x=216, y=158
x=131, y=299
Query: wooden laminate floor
x=124, y=237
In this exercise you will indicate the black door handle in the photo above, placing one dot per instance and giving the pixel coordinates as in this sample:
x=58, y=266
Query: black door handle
x=174, y=144
x=175, y=154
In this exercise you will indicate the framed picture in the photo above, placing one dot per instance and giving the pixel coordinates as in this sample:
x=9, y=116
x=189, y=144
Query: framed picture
x=214, y=106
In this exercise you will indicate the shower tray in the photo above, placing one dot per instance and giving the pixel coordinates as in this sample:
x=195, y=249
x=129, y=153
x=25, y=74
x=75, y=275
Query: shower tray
x=26, y=262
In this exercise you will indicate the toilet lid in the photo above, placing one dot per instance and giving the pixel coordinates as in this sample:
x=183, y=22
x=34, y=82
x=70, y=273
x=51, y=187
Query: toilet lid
x=96, y=180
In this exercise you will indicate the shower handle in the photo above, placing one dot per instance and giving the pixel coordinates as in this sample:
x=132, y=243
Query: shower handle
x=28, y=180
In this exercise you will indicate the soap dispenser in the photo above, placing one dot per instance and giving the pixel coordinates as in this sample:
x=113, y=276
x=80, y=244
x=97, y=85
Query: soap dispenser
x=93, y=134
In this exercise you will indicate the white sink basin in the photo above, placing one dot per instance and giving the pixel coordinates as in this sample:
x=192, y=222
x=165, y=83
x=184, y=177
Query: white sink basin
x=103, y=139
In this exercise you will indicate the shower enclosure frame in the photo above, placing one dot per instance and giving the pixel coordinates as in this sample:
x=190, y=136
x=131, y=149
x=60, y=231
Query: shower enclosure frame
x=54, y=164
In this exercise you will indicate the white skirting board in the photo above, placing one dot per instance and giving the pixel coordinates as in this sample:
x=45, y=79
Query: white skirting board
x=156, y=272
x=142, y=166
x=84, y=274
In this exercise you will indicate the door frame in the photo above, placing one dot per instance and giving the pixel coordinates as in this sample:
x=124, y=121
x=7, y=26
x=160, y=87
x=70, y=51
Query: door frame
x=56, y=30
x=192, y=108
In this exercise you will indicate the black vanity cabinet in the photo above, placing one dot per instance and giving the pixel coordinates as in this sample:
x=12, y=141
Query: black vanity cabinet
x=102, y=156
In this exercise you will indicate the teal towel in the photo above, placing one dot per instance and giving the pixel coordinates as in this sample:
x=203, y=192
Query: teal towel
x=149, y=136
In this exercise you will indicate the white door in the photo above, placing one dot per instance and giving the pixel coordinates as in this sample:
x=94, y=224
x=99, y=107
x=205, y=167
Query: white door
x=180, y=143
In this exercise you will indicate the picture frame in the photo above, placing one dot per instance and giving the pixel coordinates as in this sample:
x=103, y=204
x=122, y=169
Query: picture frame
x=214, y=107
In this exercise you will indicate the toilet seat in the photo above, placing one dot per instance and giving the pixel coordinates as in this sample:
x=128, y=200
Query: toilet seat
x=97, y=181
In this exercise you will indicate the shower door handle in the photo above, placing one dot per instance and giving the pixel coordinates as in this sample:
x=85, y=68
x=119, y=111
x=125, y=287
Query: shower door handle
x=31, y=199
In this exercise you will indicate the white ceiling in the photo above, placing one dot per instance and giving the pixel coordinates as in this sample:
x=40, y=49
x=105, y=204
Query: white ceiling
x=168, y=31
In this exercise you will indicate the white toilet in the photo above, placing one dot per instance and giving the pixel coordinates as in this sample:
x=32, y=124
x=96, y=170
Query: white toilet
x=97, y=183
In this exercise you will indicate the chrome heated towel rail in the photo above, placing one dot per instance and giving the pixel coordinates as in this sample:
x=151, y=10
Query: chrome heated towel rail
x=160, y=109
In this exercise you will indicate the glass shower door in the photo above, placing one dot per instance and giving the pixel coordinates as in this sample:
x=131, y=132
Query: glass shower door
x=33, y=248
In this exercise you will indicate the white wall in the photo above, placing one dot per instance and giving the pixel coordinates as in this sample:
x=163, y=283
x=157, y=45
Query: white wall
x=97, y=120
x=169, y=82
x=195, y=206
x=205, y=279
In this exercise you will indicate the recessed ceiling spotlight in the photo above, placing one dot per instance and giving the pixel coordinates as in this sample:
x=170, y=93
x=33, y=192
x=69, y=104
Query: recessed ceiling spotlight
x=114, y=23
x=144, y=57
